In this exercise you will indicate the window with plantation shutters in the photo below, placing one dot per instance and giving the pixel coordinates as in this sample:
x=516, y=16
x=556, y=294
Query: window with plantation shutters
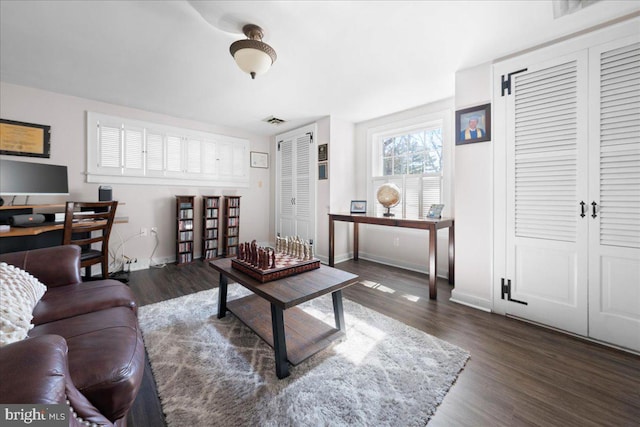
x=209, y=158
x=193, y=156
x=412, y=160
x=174, y=154
x=120, y=150
x=133, y=151
x=155, y=154
x=109, y=145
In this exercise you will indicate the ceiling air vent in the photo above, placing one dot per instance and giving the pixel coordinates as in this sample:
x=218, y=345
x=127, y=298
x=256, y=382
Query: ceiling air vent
x=273, y=120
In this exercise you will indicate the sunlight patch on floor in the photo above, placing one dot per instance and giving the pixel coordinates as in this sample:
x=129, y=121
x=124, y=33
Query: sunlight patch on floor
x=377, y=286
x=383, y=288
x=361, y=340
x=411, y=298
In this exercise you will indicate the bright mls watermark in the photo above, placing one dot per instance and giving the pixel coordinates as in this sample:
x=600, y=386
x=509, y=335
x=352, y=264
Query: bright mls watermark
x=34, y=415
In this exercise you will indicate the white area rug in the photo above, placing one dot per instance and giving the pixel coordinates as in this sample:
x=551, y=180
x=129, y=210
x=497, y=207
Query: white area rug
x=212, y=371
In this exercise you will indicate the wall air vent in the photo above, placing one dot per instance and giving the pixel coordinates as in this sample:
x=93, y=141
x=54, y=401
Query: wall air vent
x=273, y=120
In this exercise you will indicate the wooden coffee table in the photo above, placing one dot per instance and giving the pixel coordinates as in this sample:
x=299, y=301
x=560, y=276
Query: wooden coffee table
x=302, y=335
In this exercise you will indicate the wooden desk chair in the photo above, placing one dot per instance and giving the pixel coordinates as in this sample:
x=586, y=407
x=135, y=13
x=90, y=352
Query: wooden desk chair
x=84, y=228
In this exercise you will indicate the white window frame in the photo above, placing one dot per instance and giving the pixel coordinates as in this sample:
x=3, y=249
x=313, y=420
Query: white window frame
x=375, y=138
x=230, y=154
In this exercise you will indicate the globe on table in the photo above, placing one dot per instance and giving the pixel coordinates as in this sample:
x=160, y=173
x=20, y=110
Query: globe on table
x=389, y=196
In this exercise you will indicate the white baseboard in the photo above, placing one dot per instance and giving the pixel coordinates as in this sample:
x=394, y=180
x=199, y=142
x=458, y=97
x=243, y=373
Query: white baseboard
x=470, y=301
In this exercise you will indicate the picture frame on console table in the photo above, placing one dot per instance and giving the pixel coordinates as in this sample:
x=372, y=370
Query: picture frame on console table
x=25, y=139
x=473, y=124
x=358, y=206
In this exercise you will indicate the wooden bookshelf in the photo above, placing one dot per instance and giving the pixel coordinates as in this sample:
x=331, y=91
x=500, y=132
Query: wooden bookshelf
x=185, y=222
x=231, y=225
x=210, y=227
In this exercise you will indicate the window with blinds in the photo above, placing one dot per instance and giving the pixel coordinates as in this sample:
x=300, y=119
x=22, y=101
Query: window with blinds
x=130, y=151
x=620, y=147
x=412, y=160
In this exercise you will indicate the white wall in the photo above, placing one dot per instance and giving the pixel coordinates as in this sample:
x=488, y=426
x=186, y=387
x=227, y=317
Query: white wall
x=407, y=248
x=145, y=205
x=323, y=193
x=473, y=199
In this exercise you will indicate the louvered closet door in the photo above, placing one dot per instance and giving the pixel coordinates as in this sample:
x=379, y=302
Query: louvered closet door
x=304, y=188
x=546, y=181
x=614, y=234
x=285, y=167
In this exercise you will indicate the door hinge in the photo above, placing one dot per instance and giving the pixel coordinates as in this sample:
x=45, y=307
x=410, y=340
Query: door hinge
x=280, y=142
x=310, y=137
x=506, y=290
x=506, y=83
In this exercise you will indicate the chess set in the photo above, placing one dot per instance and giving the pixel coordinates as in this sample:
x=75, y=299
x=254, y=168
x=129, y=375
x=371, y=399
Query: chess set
x=291, y=256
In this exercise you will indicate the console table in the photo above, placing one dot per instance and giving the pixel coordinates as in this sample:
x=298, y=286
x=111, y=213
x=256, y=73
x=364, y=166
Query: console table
x=432, y=225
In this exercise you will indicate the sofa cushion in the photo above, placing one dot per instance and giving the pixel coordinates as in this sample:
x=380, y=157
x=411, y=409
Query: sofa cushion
x=19, y=294
x=106, y=356
x=80, y=298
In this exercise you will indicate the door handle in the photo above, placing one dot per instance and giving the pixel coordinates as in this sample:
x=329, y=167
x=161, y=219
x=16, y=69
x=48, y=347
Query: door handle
x=583, y=209
x=593, y=210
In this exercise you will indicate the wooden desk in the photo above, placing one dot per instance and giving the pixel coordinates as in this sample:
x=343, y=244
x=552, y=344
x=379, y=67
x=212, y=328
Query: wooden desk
x=24, y=238
x=34, y=231
x=432, y=225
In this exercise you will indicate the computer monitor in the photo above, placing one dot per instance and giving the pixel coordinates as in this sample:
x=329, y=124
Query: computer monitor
x=32, y=179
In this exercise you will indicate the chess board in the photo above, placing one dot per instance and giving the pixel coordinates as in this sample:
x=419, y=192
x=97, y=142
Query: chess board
x=286, y=265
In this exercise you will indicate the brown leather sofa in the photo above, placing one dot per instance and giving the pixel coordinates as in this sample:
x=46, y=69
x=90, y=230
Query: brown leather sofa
x=86, y=347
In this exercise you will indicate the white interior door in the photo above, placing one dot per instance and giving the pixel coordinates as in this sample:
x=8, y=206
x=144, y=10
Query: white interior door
x=304, y=195
x=285, y=167
x=614, y=249
x=546, y=154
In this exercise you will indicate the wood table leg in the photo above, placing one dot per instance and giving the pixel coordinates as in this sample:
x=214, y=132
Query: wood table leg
x=356, y=241
x=337, y=309
x=331, y=242
x=433, y=258
x=279, y=342
x=222, y=296
x=452, y=253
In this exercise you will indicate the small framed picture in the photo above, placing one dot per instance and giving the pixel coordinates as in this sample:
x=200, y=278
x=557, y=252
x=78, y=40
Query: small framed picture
x=358, y=206
x=323, y=152
x=473, y=124
x=323, y=170
x=259, y=160
x=435, y=211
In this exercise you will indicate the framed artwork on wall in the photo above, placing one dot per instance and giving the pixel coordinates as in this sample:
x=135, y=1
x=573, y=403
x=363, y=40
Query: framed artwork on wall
x=473, y=124
x=259, y=160
x=323, y=170
x=323, y=152
x=25, y=139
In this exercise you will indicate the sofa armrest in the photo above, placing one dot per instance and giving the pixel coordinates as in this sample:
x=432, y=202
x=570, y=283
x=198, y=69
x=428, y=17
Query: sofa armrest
x=36, y=371
x=32, y=371
x=54, y=266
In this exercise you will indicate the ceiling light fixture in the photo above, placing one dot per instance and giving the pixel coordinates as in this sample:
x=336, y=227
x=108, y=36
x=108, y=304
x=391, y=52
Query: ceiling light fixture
x=252, y=55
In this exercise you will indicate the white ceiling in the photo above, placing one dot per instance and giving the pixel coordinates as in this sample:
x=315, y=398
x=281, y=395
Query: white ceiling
x=355, y=60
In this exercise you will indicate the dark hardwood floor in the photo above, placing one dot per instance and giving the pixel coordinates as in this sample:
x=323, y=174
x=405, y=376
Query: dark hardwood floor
x=518, y=375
